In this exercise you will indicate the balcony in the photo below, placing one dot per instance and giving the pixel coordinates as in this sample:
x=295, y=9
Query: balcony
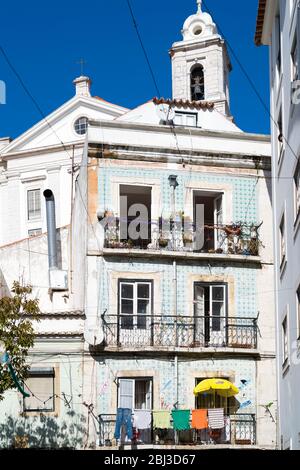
x=182, y=237
x=181, y=332
x=239, y=430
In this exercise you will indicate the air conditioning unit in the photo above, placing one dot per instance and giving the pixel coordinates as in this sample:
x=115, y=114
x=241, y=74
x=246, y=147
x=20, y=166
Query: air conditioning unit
x=58, y=279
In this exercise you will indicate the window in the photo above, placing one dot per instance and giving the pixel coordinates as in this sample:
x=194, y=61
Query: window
x=278, y=44
x=210, y=400
x=280, y=136
x=197, y=83
x=294, y=60
x=135, y=215
x=298, y=313
x=40, y=384
x=34, y=204
x=135, y=304
x=210, y=309
x=186, y=119
x=282, y=242
x=285, y=346
x=81, y=125
x=34, y=232
x=297, y=190
x=213, y=216
x=135, y=394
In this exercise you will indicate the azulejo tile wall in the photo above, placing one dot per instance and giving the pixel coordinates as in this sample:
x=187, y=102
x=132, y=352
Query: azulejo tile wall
x=244, y=188
x=188, y=371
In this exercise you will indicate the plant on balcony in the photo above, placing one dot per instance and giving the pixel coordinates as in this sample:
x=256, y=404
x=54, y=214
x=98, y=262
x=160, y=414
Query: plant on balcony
x=128, y=243
x=234, y=230
x=188, y=238
x=163, y=242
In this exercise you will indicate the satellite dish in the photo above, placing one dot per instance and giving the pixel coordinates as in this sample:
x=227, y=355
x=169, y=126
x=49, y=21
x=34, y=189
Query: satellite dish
x=165, y=113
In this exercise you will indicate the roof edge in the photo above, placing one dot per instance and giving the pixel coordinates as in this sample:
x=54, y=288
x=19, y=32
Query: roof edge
x=260, y=22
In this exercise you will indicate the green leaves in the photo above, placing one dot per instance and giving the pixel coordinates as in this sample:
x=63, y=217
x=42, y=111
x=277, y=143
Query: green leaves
x=16, y=331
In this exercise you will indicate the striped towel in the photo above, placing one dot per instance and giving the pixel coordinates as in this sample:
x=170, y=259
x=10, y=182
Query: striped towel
x=216, y=418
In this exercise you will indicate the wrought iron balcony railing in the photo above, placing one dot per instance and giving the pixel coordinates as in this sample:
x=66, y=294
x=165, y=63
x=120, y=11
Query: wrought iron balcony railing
x=162, y=331
x=239, y=429
x=235, y=239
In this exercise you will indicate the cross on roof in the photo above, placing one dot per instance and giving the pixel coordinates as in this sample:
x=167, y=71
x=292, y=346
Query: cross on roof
x=81, y=62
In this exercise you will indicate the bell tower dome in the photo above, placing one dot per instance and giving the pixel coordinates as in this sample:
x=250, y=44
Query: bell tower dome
x=200, y=63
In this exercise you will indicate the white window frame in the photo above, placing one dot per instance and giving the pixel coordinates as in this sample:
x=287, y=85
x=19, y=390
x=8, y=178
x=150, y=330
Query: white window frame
x=216, y=195
x=133, y=382
x=296, y=181
x=40, y=373
x=74, y=126
x=135, y=315
x=278, y=50
x=39, y=216
x=282, y=242
x=211, y=286
x=279, y=132
x=184, y=119
x=294, y=59
x=285, y=341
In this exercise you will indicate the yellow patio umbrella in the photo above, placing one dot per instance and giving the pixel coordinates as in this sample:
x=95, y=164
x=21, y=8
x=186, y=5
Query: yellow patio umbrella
x=221, y=387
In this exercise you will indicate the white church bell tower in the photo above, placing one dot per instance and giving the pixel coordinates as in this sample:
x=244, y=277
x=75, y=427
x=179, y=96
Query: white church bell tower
x=200, y=63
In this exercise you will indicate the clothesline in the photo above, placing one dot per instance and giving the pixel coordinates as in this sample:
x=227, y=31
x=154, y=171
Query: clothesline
x=179, y=420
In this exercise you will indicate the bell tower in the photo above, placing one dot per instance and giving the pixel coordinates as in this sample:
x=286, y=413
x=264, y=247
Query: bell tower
x=200, y=63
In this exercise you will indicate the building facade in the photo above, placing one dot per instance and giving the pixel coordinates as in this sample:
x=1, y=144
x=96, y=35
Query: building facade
x=164, y=273
x=46, y=156
x=162, y=311
x=278, y=25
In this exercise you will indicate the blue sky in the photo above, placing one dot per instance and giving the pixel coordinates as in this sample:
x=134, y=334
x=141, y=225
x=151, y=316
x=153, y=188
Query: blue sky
x=44, y=40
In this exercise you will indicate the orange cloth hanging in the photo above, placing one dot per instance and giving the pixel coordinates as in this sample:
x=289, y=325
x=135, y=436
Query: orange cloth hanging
x=199, y=419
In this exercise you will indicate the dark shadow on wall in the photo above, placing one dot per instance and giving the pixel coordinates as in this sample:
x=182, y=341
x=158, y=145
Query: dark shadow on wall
x=44, y=432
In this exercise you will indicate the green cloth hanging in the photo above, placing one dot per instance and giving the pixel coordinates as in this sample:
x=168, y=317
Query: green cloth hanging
x=181, y=420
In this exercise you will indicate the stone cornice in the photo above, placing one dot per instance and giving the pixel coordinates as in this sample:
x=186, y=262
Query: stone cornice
x=160, y=129
x=164, y=155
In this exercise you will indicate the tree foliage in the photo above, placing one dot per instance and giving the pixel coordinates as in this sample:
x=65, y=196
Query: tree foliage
x=16, y=332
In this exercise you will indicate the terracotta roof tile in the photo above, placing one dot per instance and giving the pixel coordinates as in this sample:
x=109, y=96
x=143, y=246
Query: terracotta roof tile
x=185, y=103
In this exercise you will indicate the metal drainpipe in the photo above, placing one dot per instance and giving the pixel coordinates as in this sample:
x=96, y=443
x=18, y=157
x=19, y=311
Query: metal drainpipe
x=176, y=327
x=51, y=229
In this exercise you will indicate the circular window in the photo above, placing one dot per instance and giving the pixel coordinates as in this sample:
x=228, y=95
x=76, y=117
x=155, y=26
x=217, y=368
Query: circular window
x=80, y=125
x=197, y=30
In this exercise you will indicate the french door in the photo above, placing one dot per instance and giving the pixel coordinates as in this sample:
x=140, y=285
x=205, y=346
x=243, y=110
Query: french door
x=210, y=311
x=135, y=313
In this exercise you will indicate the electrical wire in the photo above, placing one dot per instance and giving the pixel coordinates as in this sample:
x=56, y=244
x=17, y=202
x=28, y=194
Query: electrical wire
x=143, y=47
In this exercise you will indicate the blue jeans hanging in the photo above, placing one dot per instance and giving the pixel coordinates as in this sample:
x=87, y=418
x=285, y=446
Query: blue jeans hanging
x=124, y=418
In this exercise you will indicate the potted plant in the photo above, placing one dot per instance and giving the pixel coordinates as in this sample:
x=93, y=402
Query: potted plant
x=163, y=242
x=187, y=237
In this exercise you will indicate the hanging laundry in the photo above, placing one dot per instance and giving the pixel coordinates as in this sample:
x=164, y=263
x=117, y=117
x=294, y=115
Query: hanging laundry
x=124, y=418
x=227, y=429
x=162, y=419
x=142, y=419
x=216, y=418
x=181, y=420
x=199, y=419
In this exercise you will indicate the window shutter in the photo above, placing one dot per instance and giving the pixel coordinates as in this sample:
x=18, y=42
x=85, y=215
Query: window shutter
x=41, y=385
x=126, y=393
x=34, y=203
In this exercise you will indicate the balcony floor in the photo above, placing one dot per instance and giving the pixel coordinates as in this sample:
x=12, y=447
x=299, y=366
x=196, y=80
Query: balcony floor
x=181, y=255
